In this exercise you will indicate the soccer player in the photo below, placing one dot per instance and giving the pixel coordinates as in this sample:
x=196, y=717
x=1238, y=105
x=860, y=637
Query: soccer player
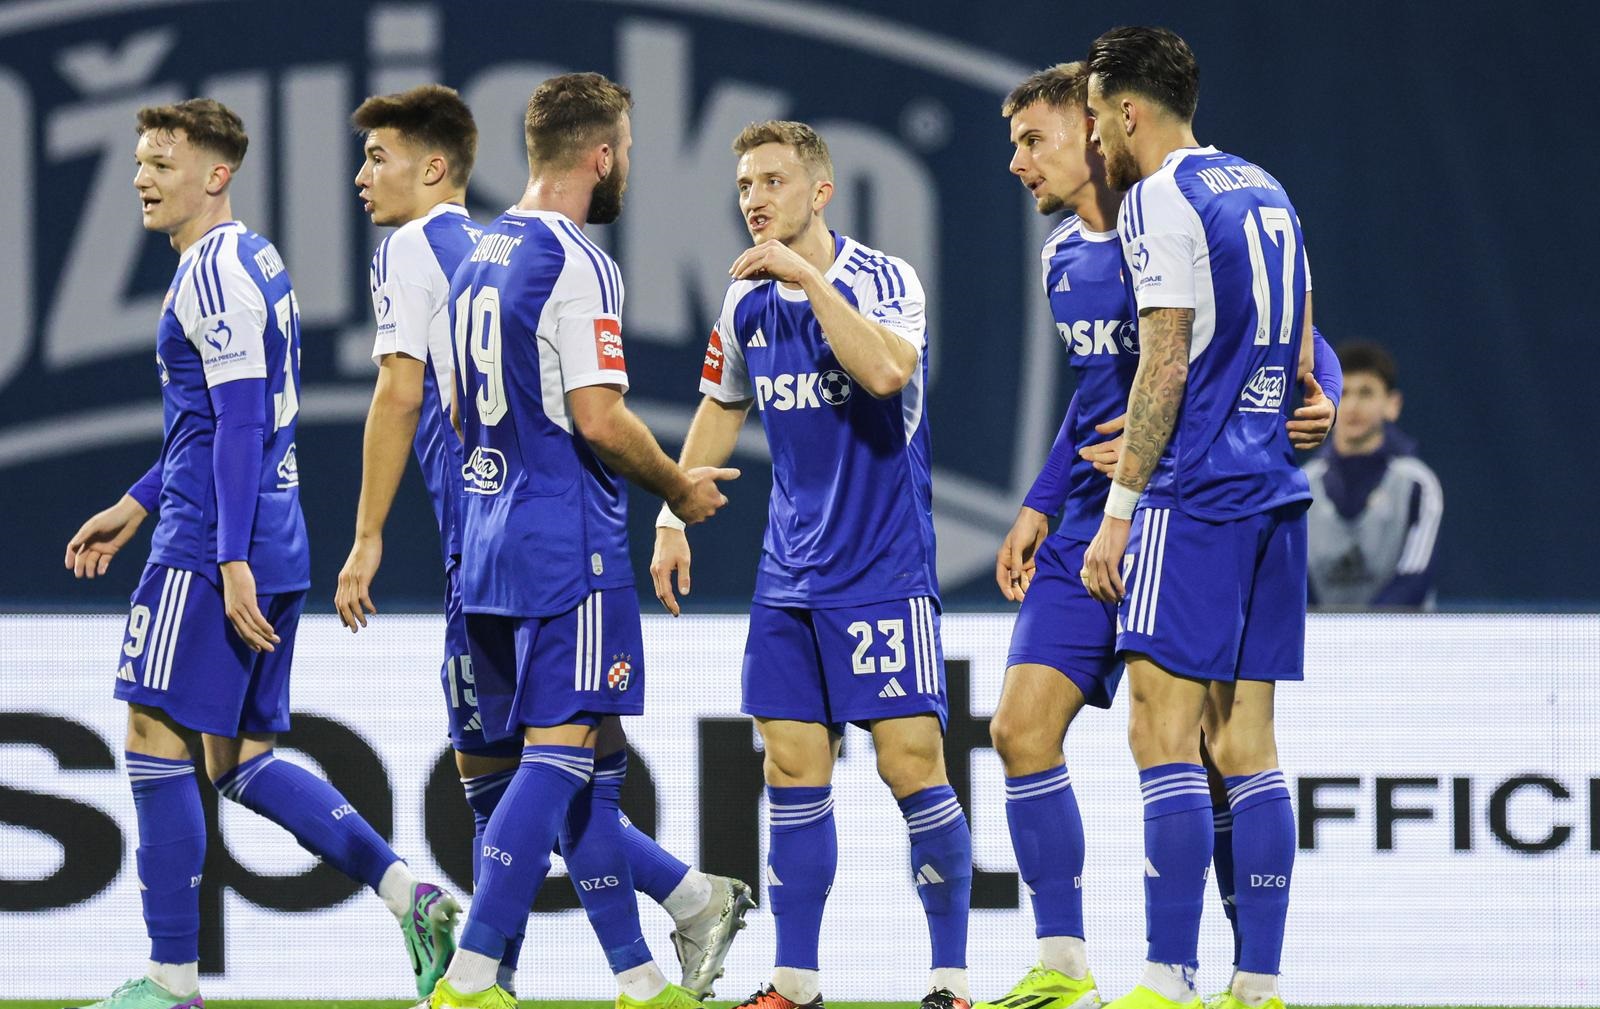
x=826, y=337
x=1202, y=544
x=211, y=632
x=1063, y=653
x=552, y=619
x=419, y=147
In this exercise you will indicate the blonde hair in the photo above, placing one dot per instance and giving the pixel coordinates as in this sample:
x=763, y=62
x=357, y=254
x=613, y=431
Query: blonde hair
x=808, y=146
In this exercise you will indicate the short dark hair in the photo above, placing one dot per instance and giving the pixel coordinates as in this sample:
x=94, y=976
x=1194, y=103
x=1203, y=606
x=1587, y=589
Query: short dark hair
x=1153, y=62
x=573, y=112
x=431, y=115
x=1372, y=358
x=1063, y=86
x=205, y=122
x=808, y=145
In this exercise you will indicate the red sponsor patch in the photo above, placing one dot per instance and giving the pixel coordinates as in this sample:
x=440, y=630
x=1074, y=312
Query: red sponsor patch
x=608, y=344
x=711, y=371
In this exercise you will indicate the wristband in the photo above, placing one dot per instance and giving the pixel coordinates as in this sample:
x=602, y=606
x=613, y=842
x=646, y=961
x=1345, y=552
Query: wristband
x=667, y=520
x=1121, y=502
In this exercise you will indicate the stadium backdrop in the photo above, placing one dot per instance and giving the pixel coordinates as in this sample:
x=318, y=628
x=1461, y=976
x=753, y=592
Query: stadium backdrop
x=1446, y=779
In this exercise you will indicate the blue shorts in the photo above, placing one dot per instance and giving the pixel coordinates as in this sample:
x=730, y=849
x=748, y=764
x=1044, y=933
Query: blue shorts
x=1217, y=600
x=1062, y=626
x=460, y=681
x=572, y=668
x=181, y=654
x=853, y=664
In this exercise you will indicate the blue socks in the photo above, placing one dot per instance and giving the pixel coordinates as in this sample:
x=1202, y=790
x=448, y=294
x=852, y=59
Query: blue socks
x=656, y=871
x=1222, y=865
x=802, y=855
x=591, y=843
x=515, y=853
x=313, y=811
x=1263, y=854
x=1177, y=850
x=1047, y=836
x=171, y=854
x=941, y=864
x=483, y=795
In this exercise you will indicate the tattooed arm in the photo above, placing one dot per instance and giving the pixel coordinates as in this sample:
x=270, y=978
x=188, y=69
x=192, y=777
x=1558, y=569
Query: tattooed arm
x=1157, y=393
x=1153, y=405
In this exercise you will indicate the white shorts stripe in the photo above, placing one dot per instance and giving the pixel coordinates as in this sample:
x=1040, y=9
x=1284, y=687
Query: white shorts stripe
x=1161, y=556
x=917, y=647
x=177, y=626
x=599, y=641
x=577, y=662
x=932, y=634
x=152, y=655
x=1139, y=565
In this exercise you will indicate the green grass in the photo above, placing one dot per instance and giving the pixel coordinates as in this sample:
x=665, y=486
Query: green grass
x=387, y=1004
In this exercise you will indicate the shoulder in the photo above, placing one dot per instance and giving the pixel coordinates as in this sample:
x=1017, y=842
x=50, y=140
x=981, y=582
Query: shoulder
x=405, y=256
x=1154, y=200
x=1058, y=237
x=737, y=294
x=887, y=276
x=1414, y=470
x=587, y=272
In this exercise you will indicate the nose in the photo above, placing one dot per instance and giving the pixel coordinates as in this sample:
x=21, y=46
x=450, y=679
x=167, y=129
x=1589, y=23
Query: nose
x=1016, y=161
x=362, y=177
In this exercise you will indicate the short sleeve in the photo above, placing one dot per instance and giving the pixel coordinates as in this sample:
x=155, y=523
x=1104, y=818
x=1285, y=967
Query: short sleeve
x=890, y=294
x=223, y=313
x=1305, y=259
x=405, y=296
x=1160, y=236
x=588, y=321
x=724, y=375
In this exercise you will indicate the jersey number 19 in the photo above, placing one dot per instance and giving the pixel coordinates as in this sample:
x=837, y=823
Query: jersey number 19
x=477, y=335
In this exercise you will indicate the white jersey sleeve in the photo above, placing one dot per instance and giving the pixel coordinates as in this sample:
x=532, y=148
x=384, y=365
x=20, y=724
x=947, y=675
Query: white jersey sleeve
x=586, y=318
x=1162, y=240
x=223, y=313
x=723, y=375
x=409, y=294
x=889, y=293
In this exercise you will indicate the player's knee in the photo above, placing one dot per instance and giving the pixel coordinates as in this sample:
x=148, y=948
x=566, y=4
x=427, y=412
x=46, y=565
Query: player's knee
x=1025, y=746
x=909, y=769
x=1157, y=738
x=150, y=735
x=1242, y=749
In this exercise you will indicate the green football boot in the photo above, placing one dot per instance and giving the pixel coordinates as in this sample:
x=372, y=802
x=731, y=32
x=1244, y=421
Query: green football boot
x=1146, y=998
x=1043, y=988
x=671, y=997
x=446, y=997
x=429, y=929
x=146, y=994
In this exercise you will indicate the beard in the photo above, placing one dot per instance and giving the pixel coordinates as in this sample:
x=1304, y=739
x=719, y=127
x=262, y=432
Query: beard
x=605, y=203
x=1122, y=171
x=1050, y=204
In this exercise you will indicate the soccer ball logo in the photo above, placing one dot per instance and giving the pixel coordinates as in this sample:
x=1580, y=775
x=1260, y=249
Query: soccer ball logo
x=834, y=387
x=620, y=674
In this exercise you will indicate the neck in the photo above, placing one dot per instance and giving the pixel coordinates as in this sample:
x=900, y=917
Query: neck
x=815, y=245
x=217, y=212
x=1098, y=211
x=1365, y=444
x=1165, y=136
x=561, y=194
x=456, y=196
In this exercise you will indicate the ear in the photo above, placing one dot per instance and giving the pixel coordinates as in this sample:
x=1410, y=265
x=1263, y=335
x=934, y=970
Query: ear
x=605, y=159
x=435, y=170
x=821, y=196
x=217, y=181
x=1130, y=116
x=1391, y=409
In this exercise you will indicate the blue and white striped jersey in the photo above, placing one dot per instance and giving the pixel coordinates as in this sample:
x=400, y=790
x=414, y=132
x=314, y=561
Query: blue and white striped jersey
x=850, y=519
x=230, y=314
x=410, y=277
x=1089, y=299
x=1211, y=232
x=535, y=312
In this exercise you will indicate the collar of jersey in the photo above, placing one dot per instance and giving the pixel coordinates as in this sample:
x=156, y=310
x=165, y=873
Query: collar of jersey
x=445, y=208
x=842, y=246
x=194, y=250
x=1184, y=152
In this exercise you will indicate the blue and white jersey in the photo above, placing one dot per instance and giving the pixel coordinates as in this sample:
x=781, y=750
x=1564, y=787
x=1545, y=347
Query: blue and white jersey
x=535, y=312
x=230, y=314
x=1212, y=232
x=410, y=277
x=851, y=515
x=1089, y=299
